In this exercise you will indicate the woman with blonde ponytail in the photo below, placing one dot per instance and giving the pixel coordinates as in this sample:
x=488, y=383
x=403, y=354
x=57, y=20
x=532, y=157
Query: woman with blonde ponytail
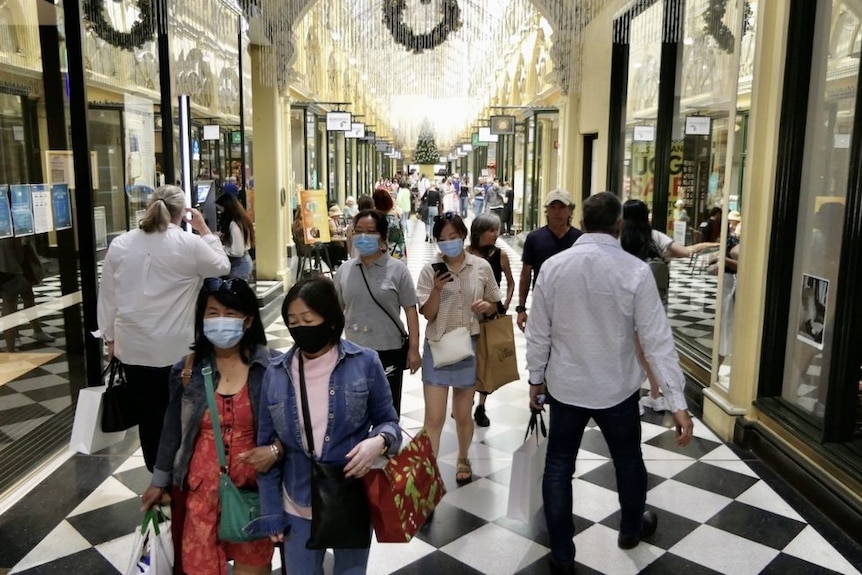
x=150, y=281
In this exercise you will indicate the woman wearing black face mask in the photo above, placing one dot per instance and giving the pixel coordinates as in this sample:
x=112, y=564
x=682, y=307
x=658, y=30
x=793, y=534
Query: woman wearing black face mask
x=352, y=419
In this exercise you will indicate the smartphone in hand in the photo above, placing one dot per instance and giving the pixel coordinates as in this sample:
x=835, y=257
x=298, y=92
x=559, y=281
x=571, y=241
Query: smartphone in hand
x=440, y=269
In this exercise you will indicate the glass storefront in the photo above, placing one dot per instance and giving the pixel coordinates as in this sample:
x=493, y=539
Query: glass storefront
x=693, y=114
x=96, y=102
x=822, y=200
x=540, y=165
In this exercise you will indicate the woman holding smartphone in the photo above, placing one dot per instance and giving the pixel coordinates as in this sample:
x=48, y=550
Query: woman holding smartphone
x=455, y=292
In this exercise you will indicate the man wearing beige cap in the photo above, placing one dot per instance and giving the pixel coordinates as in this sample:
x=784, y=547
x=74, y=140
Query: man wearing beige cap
x=545, y=242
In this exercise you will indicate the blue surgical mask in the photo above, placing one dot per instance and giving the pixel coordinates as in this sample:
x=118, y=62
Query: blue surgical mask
x=451, y=248
x=366, y=244
x=224, y=332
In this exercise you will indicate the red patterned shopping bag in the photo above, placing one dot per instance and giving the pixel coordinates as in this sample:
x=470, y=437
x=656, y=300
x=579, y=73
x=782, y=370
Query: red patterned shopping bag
x=403, y=494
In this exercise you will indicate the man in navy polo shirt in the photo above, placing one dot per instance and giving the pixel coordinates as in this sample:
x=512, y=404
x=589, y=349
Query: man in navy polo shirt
x=545, y=242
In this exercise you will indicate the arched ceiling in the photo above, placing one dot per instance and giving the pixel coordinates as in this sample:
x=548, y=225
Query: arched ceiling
x=448, y=85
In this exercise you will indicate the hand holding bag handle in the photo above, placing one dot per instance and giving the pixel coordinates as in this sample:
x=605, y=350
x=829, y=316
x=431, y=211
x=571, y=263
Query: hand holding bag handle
x=339, y=508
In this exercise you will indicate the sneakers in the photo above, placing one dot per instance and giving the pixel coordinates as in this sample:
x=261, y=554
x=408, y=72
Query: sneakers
x=480, y=417
x=657, y=404
x=43, y=337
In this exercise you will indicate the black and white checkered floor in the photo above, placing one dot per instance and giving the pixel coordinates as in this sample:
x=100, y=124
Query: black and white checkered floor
x=720, y=510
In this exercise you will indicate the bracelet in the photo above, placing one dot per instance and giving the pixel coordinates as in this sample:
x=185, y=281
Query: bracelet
x=275, y=451
x=520, y=309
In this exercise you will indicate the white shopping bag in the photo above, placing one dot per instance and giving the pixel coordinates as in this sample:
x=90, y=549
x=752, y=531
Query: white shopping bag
x=153, y=549
x=87, y=434
x=525, y=483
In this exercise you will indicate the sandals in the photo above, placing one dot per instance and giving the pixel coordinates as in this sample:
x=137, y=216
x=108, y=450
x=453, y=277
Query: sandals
x=463, y=472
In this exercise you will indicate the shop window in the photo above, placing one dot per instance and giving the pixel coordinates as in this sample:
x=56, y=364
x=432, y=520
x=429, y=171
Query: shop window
x=822, y=198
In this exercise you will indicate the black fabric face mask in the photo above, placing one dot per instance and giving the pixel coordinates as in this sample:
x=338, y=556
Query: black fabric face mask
x=311, y=338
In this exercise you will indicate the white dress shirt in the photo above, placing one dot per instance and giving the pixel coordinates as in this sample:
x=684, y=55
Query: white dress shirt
x=150, y=283
x=590, y=303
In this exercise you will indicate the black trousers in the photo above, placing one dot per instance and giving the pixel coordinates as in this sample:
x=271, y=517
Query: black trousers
x=150, y=386
x=394, y=361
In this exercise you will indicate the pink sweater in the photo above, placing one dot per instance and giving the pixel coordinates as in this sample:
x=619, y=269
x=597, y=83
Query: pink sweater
x=317, y=374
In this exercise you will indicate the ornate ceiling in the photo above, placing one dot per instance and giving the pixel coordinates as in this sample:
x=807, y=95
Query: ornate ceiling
x=449, y=84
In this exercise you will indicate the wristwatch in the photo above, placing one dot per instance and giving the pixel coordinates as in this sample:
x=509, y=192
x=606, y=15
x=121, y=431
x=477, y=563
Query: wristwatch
x=521, y=309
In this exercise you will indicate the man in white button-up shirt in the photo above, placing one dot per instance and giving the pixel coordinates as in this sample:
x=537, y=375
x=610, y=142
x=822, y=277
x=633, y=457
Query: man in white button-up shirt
x=591, y=304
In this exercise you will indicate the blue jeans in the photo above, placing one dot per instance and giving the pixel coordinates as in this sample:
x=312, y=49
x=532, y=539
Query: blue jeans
x=463, y=206
x=240, y=267
x=302, y=561
x=478, y=203
x=621, y=427
x=432, y=213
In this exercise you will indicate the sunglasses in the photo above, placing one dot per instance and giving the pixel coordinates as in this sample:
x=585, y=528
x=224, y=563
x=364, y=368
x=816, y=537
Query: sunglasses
x=229, y=285
x=448, y=216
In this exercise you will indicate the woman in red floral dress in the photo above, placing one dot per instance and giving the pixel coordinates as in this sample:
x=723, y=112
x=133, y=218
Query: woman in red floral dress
x=230, y=333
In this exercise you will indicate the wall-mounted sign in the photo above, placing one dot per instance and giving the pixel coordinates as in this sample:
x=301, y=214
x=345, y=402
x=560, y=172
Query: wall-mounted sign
x=357, y=130
x=486, y=135
x=644, y=134
x=339, y=121
x=502, y=124
x=697, y=125
x=212, y=132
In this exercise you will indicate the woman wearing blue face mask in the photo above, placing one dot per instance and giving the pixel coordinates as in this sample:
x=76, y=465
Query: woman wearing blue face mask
x=458, y=297
x=229, y=336
x=373, y=289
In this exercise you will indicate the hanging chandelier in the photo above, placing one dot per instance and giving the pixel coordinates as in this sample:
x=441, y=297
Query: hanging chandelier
x=393, y=19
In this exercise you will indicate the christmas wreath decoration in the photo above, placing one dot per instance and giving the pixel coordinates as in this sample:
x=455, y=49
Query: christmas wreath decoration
x=393, y=18
x=142, y=30
x=714, y=25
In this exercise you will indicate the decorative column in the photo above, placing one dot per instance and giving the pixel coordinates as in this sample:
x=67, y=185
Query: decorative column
x=270, y=186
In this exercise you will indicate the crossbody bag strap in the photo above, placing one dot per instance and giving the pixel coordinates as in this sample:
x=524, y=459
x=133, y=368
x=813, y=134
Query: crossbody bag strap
x=306, y=413
x=207, y=371
x=374, y=299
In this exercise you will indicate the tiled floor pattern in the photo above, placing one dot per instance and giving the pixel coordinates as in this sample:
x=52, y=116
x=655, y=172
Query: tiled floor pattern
x=717, y=511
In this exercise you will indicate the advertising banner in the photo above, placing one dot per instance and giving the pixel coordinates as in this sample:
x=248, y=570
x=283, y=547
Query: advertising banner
x=315, y=216
x=5, y=213
x=62, y=204
x=22, y=210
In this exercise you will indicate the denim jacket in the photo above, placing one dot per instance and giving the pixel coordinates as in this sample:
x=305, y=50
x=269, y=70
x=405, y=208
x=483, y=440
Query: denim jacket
x=360, y=406
x=185, y=410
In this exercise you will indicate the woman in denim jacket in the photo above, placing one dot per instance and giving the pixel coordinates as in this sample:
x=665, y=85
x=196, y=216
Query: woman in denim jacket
x=230, y=335
x=353, y=421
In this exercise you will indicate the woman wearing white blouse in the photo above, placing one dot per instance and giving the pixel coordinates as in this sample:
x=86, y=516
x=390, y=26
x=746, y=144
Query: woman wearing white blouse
x=150, y=282
x=237, y=236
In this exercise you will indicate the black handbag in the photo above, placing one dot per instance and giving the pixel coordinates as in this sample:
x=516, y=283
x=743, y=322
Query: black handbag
x=119, y=405
x=340, y=518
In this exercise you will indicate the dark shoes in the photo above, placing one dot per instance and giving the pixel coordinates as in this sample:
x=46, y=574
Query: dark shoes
x=561, y=567
x=480, y=417
x=648, y=526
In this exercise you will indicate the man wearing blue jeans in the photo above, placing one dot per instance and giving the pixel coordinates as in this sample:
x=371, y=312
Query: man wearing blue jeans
x=593, y=306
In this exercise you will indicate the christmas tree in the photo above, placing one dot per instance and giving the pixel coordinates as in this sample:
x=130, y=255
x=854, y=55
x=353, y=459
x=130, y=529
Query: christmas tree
x=426, y=149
